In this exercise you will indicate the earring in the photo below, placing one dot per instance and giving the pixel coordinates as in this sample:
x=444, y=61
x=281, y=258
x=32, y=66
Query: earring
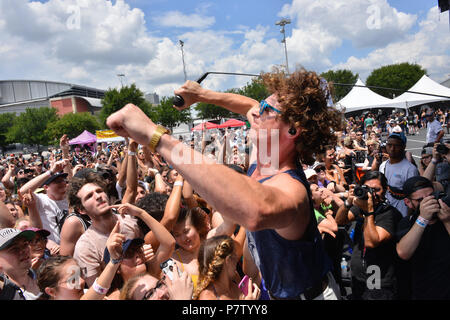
x=292, y=131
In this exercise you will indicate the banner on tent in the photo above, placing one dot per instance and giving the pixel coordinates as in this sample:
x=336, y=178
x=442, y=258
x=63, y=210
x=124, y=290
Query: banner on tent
x=107, y=136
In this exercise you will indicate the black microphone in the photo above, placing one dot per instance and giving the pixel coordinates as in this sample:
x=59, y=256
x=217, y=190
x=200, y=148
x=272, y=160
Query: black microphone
x=178, y=100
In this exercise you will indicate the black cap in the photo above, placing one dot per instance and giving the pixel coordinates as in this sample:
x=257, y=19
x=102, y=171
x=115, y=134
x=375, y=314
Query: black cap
x=53, y=177
x=125, y=246
x=416, y=183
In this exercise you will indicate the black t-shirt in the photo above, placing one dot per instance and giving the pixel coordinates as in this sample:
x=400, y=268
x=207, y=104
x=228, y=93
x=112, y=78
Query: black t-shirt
x=384, y=255
x=430, y=263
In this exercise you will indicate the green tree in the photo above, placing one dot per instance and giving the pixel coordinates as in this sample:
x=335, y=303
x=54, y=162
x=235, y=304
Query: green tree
x=255, y=90
x=166, y=115
x=398, y=76
x=6, y=119
x=115, y=100
x=211, y=111
x=29, y=127
x=340, y=76
x=72, y=124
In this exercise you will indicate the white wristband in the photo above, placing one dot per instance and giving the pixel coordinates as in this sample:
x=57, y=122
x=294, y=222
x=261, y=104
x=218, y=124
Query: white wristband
x=178, y=183
x=98, y=288
x=131, y=153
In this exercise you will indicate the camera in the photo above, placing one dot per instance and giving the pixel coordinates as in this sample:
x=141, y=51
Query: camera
x=443, y=196
x=442, y=149
x=361, y=192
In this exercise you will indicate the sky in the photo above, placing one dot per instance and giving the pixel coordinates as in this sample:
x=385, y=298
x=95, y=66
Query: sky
x=90, y=42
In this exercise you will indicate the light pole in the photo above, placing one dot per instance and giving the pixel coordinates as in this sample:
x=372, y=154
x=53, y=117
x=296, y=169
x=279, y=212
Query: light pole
x=182, y=57
x=282, y=23
x=121, y=75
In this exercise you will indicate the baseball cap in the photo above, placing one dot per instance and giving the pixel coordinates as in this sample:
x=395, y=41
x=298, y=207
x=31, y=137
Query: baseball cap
x=318, y=164
x=7, y=236
x=53, y=177
x=42, y=232
x=416, y=183
x=429, y=112
x=399, y=136
x=125, y=246
x=309, y=173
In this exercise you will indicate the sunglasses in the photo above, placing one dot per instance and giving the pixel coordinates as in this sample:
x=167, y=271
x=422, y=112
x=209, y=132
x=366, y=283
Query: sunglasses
x=152, y=291
x=264, y=105
x=317, y=170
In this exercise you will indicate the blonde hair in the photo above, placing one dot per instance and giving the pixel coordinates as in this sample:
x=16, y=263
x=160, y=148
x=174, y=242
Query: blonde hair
x=211, y=258
x=126, y=293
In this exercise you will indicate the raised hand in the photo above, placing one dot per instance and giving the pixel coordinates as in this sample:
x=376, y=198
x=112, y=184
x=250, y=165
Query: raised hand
x=115, y=242
x=181, y=287
x=131, y=121
x=127, y=208
x=253, y=291
x=148, y=252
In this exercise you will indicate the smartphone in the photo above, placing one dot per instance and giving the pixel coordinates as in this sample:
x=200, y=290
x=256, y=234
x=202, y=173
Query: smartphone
x=243, y=285
x=167, y=267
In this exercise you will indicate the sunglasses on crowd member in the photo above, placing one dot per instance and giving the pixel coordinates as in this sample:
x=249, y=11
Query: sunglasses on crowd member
x=426, y=156
x=318, y=169
x=152, y=291
x=263, y=105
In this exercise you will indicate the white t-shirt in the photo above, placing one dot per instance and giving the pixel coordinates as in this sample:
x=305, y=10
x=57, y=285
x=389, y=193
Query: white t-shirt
x=51, y=212
x=433, y=131
x=396, y=175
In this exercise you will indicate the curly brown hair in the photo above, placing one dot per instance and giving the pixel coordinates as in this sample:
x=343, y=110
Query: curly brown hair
x=77, y=183
x=303, y=97
x=211, y=258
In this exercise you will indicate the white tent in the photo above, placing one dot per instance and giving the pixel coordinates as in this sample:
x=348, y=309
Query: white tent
x=424, y=85
x=361, y=98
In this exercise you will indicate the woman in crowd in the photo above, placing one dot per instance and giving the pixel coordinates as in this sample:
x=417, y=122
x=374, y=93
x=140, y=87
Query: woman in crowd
x=218, y=277
x=189, y=232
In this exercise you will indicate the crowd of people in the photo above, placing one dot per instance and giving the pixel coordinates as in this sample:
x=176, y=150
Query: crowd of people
x=274, y=211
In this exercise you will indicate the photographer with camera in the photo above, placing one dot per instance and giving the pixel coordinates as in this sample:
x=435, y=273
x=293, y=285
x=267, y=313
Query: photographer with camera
x=439, y=167
x=424, y=241
x=373, y=242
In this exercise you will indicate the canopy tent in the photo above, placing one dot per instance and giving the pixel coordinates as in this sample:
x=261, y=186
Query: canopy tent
x=201, y=126
x=108, y=136
x=232, y=123
x=84, y=138
x=424, y=85
x=361, y=98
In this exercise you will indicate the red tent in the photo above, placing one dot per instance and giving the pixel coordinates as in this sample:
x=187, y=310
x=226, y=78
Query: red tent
x=201, y=126
x=232, y=123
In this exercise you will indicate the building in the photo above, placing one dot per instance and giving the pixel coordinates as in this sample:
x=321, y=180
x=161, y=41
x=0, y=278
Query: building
x=18, y=95
x=153, y=98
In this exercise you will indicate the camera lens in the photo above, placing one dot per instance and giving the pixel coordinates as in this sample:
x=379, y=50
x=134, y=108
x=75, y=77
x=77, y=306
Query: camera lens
x=361, y=192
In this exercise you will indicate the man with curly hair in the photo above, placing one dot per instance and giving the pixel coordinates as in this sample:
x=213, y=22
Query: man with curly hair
x=274, y=201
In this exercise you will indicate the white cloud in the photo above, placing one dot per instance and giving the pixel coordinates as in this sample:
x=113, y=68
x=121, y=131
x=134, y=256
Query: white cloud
x=429, y=47
x=180, y=20
x=366, y=23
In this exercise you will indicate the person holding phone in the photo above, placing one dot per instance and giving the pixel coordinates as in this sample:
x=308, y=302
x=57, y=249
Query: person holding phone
x=218, y=278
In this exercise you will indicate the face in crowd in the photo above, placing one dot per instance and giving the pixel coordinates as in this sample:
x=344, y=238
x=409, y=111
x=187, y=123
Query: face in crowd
x=94, y=200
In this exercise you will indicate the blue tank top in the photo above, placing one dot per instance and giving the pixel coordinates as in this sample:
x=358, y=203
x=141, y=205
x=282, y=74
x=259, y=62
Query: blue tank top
x=289, y=267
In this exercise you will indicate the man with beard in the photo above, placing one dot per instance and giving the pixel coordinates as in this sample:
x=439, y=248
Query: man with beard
x=425, y=241
x=374, y=246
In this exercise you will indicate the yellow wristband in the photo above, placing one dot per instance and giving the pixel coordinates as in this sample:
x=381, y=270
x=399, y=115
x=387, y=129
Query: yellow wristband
x=160, y=130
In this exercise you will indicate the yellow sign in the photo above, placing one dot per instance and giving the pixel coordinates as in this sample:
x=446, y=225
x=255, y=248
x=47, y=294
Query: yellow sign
x=105, y=134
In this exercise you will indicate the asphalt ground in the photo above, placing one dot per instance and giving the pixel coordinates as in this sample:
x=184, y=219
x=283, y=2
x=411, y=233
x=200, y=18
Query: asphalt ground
x=415, y=143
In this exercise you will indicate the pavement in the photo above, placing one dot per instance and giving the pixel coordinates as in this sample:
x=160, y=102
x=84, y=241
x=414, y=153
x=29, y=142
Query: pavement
x=414, y=143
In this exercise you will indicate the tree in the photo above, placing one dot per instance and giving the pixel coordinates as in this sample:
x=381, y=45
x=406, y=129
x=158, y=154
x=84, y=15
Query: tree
x=340, y=76
x=115, y=100
x=398, y=76
x=211, y=111
x=29, y=127
x=72, y=124
x=166, y=115
x=6, y=119
x=255, y=90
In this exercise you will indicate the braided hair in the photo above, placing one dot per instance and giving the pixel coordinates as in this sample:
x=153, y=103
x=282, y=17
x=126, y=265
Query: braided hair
x=211, y=258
